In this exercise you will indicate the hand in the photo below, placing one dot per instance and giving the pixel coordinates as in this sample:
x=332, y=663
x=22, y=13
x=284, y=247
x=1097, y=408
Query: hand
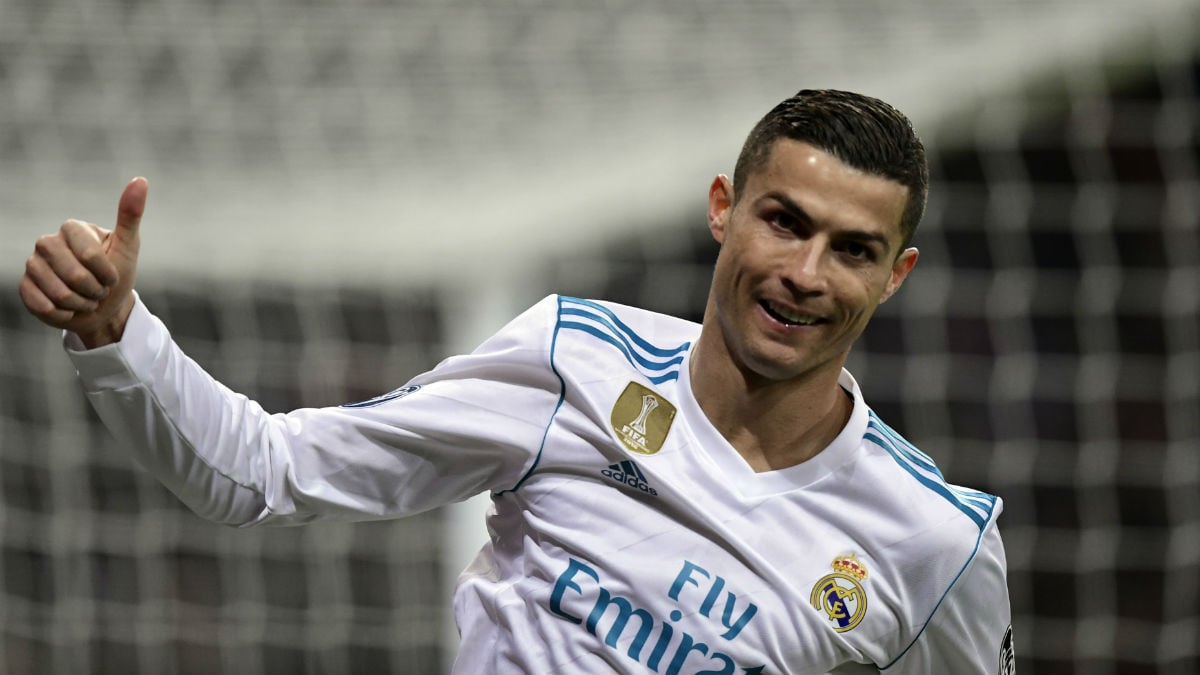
x=81, y=278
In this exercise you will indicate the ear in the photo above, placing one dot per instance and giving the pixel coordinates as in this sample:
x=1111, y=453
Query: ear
x=720, y=202
x=900, y=269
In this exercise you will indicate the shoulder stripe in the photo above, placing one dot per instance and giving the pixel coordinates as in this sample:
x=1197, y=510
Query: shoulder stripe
x=978, y=506
x=596, y=320
x=934, y=485
x=902, y=445
x=617, y=339
x=597, y=308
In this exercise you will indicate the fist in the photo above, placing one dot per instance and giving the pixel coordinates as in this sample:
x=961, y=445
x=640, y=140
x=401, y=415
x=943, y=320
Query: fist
x=81, y=278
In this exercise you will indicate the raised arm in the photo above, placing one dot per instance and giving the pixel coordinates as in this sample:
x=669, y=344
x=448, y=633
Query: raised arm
x=475, y=423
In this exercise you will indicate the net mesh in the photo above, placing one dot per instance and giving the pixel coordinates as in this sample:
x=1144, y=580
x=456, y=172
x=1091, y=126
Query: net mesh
x=103, y=571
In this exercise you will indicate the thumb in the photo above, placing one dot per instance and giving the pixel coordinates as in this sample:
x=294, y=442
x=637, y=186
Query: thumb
x=129, y=213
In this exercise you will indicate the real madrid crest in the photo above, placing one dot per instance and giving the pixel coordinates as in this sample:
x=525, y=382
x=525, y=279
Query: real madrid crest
x=641, y=418
x=841, y=595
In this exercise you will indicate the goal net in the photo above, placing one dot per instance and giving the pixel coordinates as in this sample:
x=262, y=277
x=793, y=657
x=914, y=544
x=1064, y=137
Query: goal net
x=104, y=571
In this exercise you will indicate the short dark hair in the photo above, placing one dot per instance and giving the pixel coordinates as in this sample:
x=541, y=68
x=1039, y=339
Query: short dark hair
x=861, y=131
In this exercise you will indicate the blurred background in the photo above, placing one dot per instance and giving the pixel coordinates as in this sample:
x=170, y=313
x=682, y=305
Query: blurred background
x=343, y=193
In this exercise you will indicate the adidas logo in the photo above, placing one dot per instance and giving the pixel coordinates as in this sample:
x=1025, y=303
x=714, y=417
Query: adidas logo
x=628, y=473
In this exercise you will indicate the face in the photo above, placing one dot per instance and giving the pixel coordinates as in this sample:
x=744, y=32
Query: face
x=810, y=249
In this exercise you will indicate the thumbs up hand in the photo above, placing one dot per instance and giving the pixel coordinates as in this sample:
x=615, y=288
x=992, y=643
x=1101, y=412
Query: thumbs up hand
x=81, y=278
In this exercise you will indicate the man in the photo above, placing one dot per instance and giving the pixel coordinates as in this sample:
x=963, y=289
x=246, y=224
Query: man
x=667, y=498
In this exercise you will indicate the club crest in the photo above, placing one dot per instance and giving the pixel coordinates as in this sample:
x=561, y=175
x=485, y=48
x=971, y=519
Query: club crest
x=641, y=419
x=841, y=595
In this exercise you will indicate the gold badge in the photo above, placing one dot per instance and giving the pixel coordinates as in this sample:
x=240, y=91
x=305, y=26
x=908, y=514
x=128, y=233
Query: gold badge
x=841, y=595
x=642, y=419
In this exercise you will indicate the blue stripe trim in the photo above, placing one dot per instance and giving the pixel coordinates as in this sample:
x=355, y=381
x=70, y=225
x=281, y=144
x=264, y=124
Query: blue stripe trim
x=975, y=505
x=895, y=436
x=562, y=396
x=903, y=445
x=978, y=541
x=639, y=340
x=901, y=449
x=983, y=500
x=657, y=379
x=937, y=486
x=964, y=499
x=609, y=328
x=627, y=348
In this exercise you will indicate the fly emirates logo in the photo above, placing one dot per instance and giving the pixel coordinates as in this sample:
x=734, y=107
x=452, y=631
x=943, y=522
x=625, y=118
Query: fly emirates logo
x=661, y=643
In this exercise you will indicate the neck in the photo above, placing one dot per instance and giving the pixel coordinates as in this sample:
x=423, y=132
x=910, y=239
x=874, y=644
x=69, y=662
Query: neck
x=773, y=424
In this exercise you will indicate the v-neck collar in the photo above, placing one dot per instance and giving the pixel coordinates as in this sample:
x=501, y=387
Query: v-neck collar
x=738, y=473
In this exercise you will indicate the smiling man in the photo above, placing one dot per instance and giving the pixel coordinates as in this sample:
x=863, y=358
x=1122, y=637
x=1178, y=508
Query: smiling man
x=668, y=498
x=810, y=246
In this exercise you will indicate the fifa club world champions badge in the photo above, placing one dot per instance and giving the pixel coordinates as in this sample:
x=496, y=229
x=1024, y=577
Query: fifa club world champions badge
x=641, y=418
x=841, y=595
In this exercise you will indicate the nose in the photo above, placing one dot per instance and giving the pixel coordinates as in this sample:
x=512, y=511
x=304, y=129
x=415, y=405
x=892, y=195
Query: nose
x=806, y=273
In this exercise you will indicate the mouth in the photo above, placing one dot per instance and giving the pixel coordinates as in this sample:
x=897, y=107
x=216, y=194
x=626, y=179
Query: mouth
x=790, y=317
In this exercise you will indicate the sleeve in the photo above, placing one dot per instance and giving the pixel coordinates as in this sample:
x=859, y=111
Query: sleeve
x=970, y=631
x=474, y=423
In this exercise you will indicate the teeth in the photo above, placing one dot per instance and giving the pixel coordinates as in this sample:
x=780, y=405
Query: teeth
x=792, y=317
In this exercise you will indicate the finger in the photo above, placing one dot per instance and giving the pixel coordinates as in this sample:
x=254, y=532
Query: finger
x=50, y=282
x=41, y=306
x=86, y=242
x=57, y=253
x=129, y=212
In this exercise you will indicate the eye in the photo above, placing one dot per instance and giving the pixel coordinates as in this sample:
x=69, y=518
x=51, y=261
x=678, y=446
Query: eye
x=782, y=219
x=857, y=250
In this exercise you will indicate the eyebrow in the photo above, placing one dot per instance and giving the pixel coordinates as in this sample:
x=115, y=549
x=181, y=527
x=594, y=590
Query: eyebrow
x=799, y=213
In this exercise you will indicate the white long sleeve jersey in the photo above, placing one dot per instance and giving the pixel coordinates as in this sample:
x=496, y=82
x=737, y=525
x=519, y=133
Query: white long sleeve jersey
x=627, y=535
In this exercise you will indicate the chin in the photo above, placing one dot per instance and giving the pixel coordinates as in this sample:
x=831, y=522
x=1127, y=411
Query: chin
x=783, y=364
x=763, y=367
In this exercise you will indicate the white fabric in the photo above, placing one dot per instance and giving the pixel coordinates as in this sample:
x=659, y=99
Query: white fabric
x=677, y=559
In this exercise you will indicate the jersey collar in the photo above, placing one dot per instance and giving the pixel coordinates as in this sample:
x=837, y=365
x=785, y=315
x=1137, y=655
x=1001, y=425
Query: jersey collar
x=712, y=446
